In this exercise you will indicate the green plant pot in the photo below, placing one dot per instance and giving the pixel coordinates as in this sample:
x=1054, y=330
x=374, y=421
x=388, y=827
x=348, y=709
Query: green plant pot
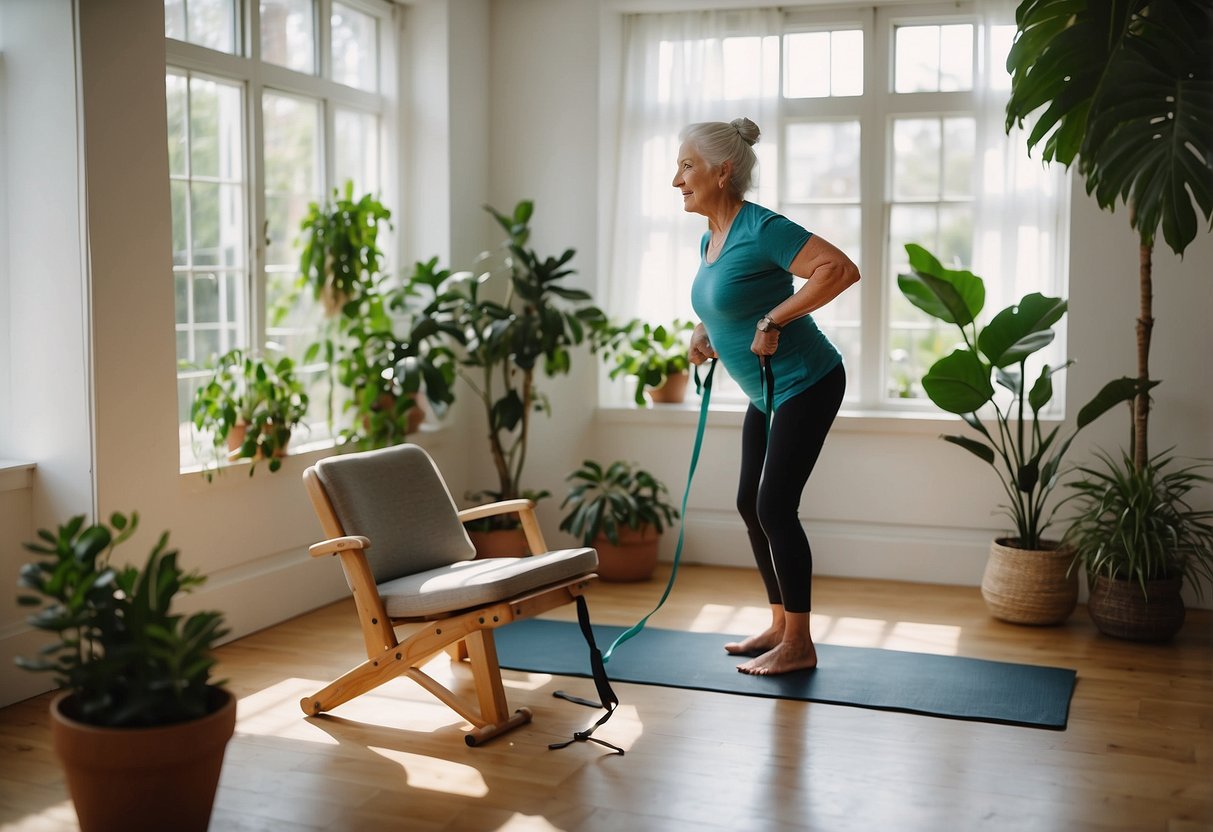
x=1120, y=609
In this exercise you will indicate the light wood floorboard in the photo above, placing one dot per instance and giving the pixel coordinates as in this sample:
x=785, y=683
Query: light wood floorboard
x=1136, y=754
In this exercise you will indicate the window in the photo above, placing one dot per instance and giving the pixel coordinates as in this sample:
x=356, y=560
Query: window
x=255, y=135
x=881, y=127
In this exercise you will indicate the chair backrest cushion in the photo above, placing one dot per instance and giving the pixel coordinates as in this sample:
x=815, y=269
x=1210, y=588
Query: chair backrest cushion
x=396, y=497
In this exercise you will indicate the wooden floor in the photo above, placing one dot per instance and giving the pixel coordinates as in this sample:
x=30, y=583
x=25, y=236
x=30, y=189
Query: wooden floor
x=1135, y=756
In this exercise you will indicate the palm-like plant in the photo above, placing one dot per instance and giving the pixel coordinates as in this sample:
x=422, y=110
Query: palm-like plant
x=1126, y=90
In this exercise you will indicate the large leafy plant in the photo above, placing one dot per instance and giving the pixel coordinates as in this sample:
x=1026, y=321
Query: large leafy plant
x=511, y=338
x=605, y=500
x=1026, y=457
x=126, y=657
x=1125, y=89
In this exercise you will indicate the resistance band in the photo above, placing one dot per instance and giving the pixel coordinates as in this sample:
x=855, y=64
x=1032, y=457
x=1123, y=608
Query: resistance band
x=599, y=659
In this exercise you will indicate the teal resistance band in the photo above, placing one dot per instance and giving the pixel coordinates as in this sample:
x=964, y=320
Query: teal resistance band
x=706, y=388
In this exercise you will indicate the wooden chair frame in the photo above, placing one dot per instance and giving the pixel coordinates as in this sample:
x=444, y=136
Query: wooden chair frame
x=466, y=634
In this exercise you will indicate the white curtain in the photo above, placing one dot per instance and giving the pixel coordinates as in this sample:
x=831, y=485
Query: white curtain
x=679, y=69
x=1021, y=210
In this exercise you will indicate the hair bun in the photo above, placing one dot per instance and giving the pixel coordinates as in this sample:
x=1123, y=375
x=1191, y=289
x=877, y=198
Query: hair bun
x=747, y=129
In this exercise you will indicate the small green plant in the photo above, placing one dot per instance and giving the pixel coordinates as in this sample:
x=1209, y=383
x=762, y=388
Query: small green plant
x=340, y=255
x=250, y=405
x=649, y=354
x=128, y=660
x=1137, y=524
x=606, y=500
x=1026, y=459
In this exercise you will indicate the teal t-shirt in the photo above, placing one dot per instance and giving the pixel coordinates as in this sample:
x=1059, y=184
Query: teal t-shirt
x=748, y=280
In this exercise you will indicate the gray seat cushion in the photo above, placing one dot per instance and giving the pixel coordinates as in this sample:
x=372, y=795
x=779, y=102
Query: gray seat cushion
x=470, y=584
x=396, y=498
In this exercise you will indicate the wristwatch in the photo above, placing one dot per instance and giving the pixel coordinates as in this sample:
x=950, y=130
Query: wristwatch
x=765, y=324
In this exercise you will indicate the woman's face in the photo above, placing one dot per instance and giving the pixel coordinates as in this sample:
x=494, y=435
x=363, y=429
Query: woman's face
x=699, y=184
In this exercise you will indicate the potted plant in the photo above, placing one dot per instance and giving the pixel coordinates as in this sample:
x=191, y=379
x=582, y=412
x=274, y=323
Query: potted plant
x=340, y=254
x=139, y=726
x=1125, y=90
x=392, y=356
x=1027, y=578
x=1139, y=539
x=655, y=356
x=621, y=510
x=251, y=406
x=508, y=343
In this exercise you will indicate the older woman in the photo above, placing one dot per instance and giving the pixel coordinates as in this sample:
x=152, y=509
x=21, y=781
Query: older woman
x=750, y=316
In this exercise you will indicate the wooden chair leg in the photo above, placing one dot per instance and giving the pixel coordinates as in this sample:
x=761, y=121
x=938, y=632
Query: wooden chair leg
x=458, y=651
x=482, y=651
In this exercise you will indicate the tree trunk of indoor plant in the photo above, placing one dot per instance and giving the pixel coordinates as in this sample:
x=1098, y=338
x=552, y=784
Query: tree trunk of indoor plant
x=1025, y=586
x=137, y=779
x=1120, y=609
x=633, y=559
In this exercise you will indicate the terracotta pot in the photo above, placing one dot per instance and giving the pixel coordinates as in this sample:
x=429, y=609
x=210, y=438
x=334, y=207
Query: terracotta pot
x=415, y=414
x=1025, y=586
x=672, y=391
x=633, y=559
x=500, y=543
x=137, y=779
x=1119, y=608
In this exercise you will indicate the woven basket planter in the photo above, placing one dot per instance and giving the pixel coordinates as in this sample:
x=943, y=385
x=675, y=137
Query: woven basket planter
x=1119, y=608
x=1026, y=586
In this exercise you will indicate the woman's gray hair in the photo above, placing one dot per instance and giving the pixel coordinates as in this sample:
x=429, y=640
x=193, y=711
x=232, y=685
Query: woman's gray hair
x=719, y=142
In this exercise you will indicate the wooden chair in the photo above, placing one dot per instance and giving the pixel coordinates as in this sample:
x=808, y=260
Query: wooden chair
x=392, y=523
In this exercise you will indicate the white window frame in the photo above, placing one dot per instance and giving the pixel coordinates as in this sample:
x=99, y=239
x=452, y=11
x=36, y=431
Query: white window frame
x=257, y=77
x=876, y=109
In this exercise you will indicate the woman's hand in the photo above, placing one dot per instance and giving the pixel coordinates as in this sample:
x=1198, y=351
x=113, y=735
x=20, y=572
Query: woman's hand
x=765, y=343
x=701, y=348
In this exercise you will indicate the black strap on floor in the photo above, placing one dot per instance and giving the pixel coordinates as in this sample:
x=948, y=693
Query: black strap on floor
x=606, y=696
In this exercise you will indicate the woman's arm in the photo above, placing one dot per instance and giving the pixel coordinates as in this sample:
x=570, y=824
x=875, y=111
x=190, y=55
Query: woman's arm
x=827, y=273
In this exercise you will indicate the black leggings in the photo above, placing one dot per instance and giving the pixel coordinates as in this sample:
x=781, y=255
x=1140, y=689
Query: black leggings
x=772, y=480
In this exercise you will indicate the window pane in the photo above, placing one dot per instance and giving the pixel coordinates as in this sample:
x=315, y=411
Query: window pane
x=174, y=19
x=807, y=65
x=292, y=180
x=176, y=101
x=179, y=192
x=355, y=48
x=1000, y=46
x=822, y=161
x=211, y=23
x=288, y=36
x=751, y=67
x=956, y=57
x=846, y=63
x=216, y=130
x=357, y=149
x=916, y=151
x=839, y=224
x=206, y=298
x=959, y=141
x=916, y=67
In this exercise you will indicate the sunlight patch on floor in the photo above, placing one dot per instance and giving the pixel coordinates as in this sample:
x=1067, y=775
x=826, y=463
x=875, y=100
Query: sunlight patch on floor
x=435, y=774
x=527, y=823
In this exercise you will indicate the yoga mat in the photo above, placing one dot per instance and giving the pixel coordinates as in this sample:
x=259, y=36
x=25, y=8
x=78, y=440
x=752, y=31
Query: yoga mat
x=892, y=680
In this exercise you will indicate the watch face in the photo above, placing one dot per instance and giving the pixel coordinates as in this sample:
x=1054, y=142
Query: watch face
x=764, y=325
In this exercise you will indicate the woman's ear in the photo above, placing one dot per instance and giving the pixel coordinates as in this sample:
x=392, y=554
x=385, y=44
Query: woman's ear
x=726, y=173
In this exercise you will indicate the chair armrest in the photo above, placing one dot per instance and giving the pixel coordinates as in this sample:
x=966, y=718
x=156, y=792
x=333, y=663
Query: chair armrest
x=339, y=544
x=494, y=509
x=525, y=509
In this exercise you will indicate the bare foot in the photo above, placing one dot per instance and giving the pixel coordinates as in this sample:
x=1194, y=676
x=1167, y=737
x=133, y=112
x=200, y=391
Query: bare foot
x=782, y=658
x=756, y=645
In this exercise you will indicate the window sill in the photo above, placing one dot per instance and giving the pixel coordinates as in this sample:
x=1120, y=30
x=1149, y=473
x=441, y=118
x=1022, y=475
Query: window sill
x=16, y=475
x=731, y=414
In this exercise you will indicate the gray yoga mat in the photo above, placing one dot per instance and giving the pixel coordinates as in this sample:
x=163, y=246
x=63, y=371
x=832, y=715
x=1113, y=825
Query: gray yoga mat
x=892, y=680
